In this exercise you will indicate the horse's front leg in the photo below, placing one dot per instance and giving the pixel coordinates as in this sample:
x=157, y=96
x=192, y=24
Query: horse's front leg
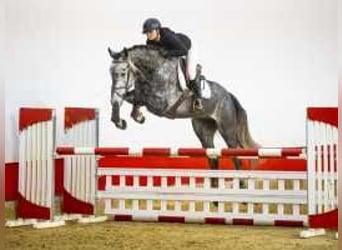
x=136, y=114
x=130, y=97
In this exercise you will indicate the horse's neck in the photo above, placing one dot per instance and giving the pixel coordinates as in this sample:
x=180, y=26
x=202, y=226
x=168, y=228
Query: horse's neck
x=159, y=75
x=143, y=56
x=159, y=89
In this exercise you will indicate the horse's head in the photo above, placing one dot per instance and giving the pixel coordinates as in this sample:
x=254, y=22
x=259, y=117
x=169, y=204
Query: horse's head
x=136, y=67
x=122, y=82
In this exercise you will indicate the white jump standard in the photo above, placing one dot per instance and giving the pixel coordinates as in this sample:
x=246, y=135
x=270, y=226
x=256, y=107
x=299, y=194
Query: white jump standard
x=280, y=198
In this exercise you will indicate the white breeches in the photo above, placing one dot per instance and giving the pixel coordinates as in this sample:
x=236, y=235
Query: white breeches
x=192, y=61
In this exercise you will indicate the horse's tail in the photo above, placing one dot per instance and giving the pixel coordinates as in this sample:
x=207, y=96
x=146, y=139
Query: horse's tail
x=243, y=135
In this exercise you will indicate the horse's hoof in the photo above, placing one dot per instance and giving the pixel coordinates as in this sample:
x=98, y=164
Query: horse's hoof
x=122, y=124
x=141, y=120
x=243, y=184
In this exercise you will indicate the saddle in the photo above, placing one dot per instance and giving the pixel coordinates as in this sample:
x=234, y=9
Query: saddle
x=187, y=86
x=185, y=83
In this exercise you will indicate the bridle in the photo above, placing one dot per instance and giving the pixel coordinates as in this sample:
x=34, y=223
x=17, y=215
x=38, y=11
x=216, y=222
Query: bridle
x=128, y=85
x=131, y=69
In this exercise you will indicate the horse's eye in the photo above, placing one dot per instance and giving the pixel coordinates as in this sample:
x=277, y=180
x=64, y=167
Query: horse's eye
x=123, y=74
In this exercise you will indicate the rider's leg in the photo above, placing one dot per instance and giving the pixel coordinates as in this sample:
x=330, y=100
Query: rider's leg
x=195, y=76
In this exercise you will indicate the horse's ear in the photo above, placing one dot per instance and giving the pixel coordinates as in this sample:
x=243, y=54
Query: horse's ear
x=113, y=54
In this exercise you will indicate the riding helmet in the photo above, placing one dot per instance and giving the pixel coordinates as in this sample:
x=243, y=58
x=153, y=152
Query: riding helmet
x=151, y=24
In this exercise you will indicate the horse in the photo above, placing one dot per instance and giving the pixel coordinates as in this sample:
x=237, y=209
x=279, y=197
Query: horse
x=157, y=87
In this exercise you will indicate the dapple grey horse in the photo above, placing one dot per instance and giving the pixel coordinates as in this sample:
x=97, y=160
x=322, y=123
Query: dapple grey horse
x=156, y=86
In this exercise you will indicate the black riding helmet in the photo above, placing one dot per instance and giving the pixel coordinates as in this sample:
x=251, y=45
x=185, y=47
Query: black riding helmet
x=151, y=24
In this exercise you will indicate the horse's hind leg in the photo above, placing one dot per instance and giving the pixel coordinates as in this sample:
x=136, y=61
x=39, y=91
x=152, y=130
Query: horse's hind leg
x=205, y=130
x=229, y=136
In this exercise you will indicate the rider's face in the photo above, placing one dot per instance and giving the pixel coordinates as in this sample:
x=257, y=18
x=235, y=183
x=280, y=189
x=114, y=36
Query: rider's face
x=152, y=35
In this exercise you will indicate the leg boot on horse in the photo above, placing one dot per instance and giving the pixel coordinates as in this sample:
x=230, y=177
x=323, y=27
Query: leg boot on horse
x=137, y=115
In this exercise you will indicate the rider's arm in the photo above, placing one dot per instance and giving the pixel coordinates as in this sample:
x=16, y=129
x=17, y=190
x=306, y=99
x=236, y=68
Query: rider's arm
x=174, y=44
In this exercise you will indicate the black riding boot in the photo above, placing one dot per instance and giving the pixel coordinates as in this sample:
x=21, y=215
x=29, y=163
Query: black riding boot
x=197, y=89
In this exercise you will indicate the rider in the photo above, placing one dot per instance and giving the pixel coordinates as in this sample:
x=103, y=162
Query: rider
x=175, y=45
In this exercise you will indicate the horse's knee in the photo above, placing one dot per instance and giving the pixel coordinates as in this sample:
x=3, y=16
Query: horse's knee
x=130, y=97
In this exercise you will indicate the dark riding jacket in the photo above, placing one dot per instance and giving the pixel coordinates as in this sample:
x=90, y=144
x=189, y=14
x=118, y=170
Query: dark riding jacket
x=175, y=44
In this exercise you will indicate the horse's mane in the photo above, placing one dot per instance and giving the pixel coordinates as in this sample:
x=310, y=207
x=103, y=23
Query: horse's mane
x=144, y=47
x=148, y=57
